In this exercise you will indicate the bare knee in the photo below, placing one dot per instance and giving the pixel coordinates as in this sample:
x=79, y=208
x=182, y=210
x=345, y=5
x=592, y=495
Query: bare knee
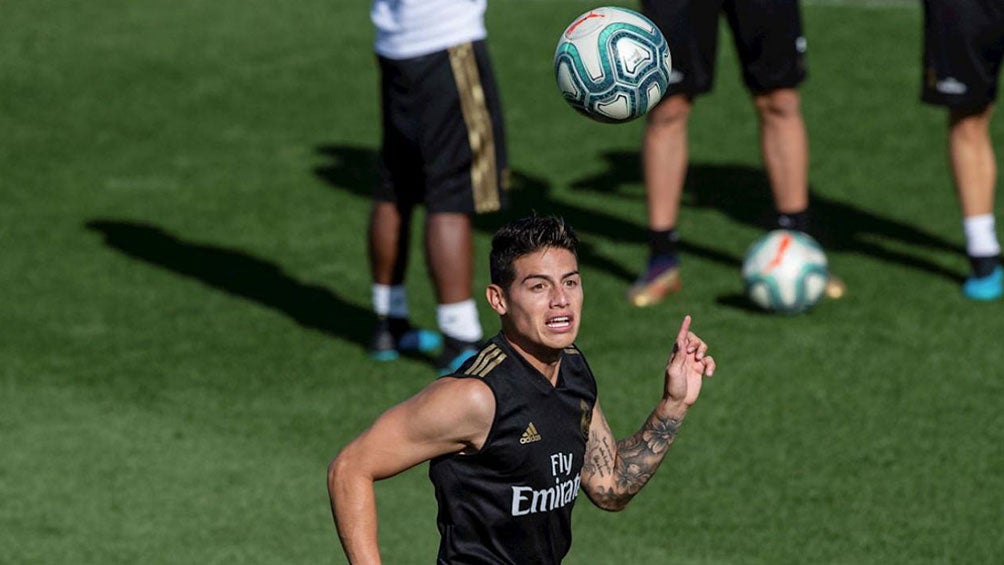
x=669, y=113
x=970, y=124
x=780, y=104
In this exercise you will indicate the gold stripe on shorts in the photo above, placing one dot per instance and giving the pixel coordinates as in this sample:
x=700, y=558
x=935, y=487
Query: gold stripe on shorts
x=484, y=177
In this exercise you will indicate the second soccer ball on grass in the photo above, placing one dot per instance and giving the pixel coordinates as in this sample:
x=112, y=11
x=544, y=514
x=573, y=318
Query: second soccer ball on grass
x=785, y=271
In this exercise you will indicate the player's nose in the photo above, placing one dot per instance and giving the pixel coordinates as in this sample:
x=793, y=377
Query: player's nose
x=559, y=296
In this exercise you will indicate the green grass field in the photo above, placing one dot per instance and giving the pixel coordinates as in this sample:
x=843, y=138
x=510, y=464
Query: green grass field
x=183, y=198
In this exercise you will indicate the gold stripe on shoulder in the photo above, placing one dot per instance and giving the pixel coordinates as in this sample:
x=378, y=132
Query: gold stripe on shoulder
x=480, y=137
x=484, y=357
x=491, y=365
x=484, y=361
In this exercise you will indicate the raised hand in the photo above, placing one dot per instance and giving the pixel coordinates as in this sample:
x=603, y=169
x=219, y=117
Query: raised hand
x=687, y=366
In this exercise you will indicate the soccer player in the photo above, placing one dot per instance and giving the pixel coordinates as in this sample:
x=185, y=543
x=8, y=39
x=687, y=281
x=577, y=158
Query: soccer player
x=771, y=47
x=443, y=147
x=963, y=48
x=518, y=430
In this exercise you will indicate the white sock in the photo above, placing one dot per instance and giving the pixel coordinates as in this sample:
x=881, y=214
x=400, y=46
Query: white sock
x=390, y=300
x=460, y=320
x=981, y=236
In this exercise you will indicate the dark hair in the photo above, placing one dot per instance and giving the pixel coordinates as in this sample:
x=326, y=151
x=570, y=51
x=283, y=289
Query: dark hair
x=524, y=236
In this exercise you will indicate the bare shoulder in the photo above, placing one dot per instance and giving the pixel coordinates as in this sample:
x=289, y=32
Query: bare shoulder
x=455, y=408
x=469, y=397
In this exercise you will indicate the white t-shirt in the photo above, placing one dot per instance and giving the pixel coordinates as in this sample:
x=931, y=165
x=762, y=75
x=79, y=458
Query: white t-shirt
x=412, y=28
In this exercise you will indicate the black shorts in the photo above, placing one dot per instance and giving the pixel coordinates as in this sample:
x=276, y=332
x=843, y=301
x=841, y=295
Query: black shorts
x=443, y=140
x=767, y=35
x=963, y=48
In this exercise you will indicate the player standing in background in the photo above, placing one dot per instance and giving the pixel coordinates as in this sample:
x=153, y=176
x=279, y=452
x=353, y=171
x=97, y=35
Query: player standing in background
x=443, y=146
x=771, y=48
x=963, y=48
x=518, y=430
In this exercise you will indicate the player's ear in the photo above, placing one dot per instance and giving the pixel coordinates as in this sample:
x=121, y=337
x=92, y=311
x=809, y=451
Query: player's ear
x=496, y=299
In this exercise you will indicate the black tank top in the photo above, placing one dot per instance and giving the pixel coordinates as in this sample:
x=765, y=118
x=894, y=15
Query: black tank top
x=511, y=502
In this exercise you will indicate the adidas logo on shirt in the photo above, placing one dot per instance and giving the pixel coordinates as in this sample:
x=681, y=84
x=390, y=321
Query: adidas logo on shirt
x=530, y=435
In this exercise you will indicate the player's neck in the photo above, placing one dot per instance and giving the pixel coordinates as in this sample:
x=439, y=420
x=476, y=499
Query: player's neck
x=546, y=360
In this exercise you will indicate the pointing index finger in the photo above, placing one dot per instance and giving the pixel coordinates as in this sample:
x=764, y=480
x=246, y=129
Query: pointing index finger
x=681, y=338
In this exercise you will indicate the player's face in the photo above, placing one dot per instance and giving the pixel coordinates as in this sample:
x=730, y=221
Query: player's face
x=542, y=307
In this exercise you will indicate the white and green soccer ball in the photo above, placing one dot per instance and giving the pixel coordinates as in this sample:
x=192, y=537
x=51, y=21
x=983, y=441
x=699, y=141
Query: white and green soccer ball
x=612, y=64
x=785, y=271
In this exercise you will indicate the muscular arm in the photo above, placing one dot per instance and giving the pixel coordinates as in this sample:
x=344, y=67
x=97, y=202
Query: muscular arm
x=448, y=416
x=614, y=471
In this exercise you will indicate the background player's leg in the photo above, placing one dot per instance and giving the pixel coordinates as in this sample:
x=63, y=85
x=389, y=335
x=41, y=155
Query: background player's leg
x=450, y=255
x=784, y=146
x=449, y=249
x=972, y=158
x=389, y=238
x=664, y=161
x=388, y=243
x=974, y=167
x=664, y=156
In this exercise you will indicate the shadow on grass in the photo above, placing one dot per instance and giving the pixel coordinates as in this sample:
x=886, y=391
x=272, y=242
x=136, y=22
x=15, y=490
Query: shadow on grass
x=240, y=274
x=742, y=192
x=739, y=191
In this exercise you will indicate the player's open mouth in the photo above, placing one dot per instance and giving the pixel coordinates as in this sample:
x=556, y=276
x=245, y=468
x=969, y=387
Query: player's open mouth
x=560, y=322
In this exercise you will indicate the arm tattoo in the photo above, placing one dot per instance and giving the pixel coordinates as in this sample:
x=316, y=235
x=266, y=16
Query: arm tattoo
x=599, y=459
x=636, y=459
x=638, y=456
